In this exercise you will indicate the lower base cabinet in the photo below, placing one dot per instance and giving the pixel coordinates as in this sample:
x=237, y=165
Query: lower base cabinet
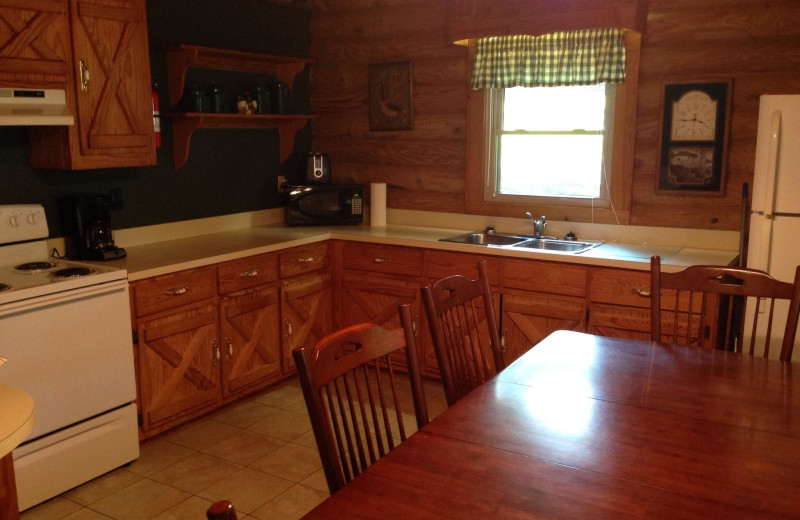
x=250, y=340
x=178, y=367
x=306, y=313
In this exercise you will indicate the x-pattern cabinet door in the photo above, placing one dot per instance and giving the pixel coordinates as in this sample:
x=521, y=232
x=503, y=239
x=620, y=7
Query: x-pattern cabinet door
x=181, y=356
x=111, y=56
x=250, y=340
x=306, y=312
x=34, y=43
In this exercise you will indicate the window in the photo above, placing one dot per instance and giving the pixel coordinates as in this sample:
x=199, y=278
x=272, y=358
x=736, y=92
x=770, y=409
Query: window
x=485, y=196
x=549, y=143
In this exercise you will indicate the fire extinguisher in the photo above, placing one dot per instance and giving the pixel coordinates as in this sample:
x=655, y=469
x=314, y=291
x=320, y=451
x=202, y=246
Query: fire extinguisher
x=156, y=117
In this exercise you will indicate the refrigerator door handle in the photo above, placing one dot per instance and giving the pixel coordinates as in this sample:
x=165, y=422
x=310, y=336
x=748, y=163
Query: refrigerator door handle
x=772, y=164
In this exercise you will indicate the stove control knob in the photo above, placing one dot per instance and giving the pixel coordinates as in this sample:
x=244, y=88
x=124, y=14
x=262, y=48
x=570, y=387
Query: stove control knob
x=13, y=221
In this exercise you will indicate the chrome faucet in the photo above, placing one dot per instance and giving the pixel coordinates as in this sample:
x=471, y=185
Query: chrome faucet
x=538, y=224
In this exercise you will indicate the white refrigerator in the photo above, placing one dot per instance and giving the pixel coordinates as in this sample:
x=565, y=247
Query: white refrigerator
x=774, y=241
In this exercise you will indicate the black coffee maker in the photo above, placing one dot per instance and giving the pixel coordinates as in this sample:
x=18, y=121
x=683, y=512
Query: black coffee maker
x=90, y=237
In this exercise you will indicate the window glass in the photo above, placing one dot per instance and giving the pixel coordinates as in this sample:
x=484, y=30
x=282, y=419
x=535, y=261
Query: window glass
x=549, y=141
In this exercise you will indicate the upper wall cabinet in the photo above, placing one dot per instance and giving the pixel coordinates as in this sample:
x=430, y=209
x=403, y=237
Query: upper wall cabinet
x=34, y=43
x=108, y=91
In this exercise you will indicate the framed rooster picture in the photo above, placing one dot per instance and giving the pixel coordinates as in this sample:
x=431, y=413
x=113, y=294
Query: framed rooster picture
x=390, y=98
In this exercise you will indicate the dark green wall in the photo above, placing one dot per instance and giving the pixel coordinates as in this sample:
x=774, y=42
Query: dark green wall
x=228, y=171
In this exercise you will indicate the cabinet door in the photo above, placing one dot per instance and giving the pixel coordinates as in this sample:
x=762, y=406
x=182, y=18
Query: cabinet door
x=178, y=359
x=34, y=43
x=249, y=332
x=114, y=105
x=528, y=317
x=306, y=313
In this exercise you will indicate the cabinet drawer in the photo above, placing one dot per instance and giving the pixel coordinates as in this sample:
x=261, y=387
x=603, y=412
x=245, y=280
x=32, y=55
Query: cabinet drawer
x=303, y=259
x=439, y=264
x=247, y=272
x=382, y=259
x=172, y=290
x=620, y=286
x=553, y=278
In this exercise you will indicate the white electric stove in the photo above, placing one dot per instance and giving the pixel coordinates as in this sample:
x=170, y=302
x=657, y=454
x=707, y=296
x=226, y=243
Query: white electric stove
x=65, y=331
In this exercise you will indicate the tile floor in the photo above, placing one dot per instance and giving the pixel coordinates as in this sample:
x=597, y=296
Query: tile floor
x=258, y=453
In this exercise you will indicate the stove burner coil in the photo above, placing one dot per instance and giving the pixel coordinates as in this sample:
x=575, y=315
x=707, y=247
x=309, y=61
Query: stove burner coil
x=71, y=272
x=4, y=287
x=34, y=267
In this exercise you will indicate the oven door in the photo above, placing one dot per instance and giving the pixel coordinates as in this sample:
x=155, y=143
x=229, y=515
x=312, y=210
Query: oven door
x=72, y=351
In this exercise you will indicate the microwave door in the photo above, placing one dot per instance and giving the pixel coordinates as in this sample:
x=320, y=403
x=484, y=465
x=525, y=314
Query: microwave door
x=323, y=204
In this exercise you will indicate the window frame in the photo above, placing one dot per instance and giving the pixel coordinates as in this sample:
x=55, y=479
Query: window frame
x=619, y=177
x=495, y=100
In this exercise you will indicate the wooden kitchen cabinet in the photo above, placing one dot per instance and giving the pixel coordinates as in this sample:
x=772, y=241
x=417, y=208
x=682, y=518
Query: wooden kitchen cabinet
x=109, y=92
x=177, y=350
x=539, y=298
x=306, y=298
x=376, y=280
x=35, y=43
x=249, y=314
x=619, y=303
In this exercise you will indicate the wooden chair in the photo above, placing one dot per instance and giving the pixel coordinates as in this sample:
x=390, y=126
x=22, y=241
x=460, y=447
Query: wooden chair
x=464, y=330
x=354, y=398
x=703, y=299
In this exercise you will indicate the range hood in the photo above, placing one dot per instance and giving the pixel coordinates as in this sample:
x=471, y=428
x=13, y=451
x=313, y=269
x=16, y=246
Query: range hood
x=34, y=107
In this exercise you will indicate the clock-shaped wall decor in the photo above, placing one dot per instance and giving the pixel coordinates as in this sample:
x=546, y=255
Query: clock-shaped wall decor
x=694, y=136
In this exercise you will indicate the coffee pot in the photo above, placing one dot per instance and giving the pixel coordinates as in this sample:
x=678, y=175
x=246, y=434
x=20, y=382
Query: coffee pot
x=91, y=229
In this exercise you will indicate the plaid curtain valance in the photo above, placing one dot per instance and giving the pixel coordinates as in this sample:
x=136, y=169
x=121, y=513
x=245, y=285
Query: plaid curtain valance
x=585, y=57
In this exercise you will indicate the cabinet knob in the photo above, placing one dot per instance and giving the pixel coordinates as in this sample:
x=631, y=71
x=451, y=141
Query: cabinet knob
x=288, y=328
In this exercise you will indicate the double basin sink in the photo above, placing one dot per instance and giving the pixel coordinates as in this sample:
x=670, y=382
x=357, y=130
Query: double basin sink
x=522, y=242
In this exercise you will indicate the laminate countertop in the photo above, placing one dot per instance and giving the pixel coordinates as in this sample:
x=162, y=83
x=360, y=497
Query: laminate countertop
x=153, y=259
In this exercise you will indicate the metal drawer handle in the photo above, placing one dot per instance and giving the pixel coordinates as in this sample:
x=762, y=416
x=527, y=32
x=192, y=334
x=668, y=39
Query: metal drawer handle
x=381, y=260
x=84, y=75
x=306, y=260
x=288, y=328
x=229, y=346
x=214, y=352
x=178, y=291
x=644, y=293
x=249, y=274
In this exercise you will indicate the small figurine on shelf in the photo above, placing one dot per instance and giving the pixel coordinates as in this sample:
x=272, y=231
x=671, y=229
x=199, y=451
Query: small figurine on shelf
x=245, y=104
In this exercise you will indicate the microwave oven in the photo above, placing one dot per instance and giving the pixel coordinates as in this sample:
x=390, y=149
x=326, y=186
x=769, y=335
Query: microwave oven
x=324, y=204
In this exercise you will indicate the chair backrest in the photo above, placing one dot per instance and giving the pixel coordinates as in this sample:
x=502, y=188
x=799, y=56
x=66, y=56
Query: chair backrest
x=703, y=297
x=356, y=401
x=464, y=331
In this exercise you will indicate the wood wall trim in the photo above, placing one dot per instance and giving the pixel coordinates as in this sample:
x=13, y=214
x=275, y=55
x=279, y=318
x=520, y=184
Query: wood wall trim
x=478, y=18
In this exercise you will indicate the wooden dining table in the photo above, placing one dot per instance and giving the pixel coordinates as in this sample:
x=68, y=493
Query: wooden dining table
x=590, y=427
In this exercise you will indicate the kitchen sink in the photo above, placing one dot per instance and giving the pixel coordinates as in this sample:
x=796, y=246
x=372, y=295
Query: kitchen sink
x=485, y=239
x=521, y=241
x=567, y=246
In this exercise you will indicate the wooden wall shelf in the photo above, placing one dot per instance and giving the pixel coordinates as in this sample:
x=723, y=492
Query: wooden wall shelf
x=184, y=125
x=181, y=57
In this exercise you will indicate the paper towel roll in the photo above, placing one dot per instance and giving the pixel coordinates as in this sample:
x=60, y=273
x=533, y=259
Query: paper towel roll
x=377, y=204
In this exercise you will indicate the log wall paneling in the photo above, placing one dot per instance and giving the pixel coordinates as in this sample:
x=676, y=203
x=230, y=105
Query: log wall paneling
x=753, y=42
